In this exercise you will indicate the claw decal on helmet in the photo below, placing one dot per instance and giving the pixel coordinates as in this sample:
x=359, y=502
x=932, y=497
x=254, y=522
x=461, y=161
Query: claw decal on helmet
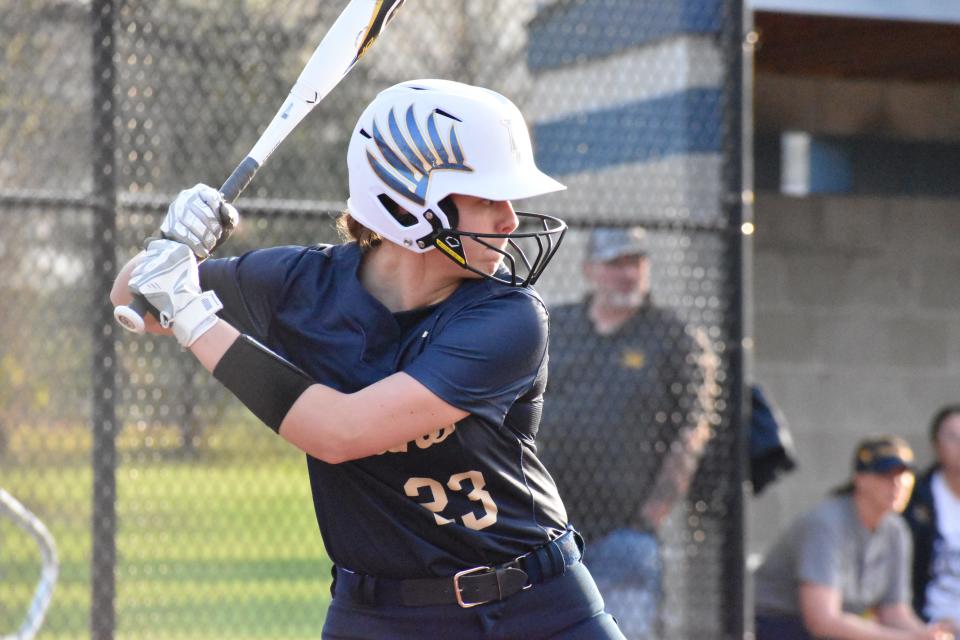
x=408, y=168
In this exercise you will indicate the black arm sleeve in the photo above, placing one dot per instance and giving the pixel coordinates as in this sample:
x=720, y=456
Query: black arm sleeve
x=264, y=382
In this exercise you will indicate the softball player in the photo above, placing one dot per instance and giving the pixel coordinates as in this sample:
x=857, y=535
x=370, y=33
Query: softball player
x=409, y=364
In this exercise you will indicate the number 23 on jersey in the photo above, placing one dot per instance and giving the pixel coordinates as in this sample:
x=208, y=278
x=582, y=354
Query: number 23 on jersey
x=433, y=496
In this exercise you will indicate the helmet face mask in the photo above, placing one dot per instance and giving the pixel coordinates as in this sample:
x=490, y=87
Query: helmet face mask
x=525, y=254
x=422, y=141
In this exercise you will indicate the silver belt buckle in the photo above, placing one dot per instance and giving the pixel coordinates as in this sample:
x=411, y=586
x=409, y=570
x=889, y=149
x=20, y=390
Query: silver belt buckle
x=456, y=586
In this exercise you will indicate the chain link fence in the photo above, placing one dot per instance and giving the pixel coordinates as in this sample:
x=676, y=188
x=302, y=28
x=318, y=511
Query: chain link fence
x=174, y=514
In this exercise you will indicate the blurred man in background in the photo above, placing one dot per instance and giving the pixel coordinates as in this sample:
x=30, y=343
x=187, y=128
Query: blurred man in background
x=630, y=396
x=934, y=518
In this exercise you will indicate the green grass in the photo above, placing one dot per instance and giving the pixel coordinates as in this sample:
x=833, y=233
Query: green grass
x=222, y=546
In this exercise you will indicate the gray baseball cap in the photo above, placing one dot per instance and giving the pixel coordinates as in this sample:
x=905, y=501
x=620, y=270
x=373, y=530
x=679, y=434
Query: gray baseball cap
x=610, y=243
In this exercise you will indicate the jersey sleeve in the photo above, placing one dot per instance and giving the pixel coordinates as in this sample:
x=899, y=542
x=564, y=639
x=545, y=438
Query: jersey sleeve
x=487, y=356
x=250, y=286
x=819, y=552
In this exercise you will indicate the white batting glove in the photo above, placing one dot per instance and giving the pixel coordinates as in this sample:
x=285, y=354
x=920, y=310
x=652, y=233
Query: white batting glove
x=168, y=278
x=200, y=219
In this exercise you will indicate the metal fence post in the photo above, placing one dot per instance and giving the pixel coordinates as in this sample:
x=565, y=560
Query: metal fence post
x=104, y=455
x=739, y=194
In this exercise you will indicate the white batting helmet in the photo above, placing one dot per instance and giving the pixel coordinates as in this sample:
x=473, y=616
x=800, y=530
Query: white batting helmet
x=420, y=141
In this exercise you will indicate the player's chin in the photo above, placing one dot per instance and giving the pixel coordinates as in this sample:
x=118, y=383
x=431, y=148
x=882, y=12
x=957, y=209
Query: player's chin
x=489, y=265
x=487, y=261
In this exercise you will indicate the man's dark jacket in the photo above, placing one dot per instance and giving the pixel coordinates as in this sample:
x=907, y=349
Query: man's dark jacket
x=921, y=515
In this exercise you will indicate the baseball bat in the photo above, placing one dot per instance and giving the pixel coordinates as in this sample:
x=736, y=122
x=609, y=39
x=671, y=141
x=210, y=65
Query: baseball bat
x=347, y=40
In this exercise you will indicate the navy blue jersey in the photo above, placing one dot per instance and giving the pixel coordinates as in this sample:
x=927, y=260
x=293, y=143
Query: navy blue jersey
x=615, y=404
x=472, y=493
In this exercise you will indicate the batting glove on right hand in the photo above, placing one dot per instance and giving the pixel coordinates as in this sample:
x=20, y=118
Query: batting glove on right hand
x=200, y=219
x=167, y=276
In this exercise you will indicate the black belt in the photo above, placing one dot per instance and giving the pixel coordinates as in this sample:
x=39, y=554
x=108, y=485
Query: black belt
x=468, y=588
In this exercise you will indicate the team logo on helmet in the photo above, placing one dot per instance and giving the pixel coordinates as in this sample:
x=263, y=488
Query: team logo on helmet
x=410, y=160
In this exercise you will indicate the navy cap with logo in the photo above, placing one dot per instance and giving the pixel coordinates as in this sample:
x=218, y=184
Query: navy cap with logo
x=609, y=243
x=883, y=454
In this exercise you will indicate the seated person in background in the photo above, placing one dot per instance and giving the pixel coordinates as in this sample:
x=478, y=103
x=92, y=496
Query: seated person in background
x=841, y=571
x=934, y=518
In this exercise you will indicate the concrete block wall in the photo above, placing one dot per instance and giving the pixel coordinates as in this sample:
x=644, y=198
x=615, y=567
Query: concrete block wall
x=856, y=299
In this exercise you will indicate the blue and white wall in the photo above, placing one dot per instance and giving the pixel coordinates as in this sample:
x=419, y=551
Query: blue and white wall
x=626, y=106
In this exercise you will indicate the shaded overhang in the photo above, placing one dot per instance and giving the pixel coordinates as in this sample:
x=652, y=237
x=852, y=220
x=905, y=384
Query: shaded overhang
x=881, y=46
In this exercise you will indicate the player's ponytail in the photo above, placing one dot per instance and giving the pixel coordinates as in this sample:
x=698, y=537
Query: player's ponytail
x=350, y=230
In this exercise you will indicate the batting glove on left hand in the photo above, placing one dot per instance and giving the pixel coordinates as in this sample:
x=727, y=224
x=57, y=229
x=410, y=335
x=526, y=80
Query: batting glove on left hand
x=167, y=276
x=200, y=219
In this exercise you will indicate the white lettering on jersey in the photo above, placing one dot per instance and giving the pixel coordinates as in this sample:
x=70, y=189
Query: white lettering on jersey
x=425, y=441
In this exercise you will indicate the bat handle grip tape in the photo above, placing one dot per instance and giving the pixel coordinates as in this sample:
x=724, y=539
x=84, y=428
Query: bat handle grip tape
x=239, y=179
x=131, y=316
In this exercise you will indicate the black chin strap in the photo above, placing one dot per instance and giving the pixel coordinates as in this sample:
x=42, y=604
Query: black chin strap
x=449, y=208
x=444, y=238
